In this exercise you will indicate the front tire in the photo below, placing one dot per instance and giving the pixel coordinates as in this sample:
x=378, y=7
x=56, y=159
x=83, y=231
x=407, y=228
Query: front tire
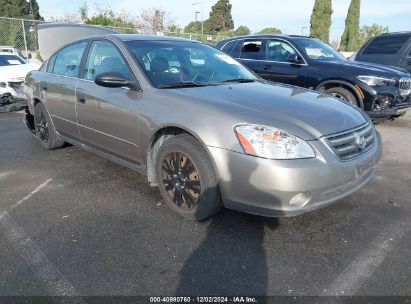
x=44, y=129
x=343, y=94
x=186, y=178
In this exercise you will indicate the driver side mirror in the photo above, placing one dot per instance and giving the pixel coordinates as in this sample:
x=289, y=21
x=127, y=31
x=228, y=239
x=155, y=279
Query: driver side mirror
x=295, y=59
x=115, y=80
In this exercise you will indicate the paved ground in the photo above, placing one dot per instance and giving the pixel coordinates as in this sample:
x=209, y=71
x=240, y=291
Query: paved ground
x=73, y=223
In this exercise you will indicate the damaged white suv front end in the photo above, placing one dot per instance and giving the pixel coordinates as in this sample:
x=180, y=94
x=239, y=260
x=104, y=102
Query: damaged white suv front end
x=13, y=70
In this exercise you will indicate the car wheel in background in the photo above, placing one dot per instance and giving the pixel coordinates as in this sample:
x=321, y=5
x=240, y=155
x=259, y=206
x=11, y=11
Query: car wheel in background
x=343, y=94
x=186, y=178
x=44, y=128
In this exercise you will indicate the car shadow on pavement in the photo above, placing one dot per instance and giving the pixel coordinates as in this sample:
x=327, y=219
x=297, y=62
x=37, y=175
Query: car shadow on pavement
x=231, y=260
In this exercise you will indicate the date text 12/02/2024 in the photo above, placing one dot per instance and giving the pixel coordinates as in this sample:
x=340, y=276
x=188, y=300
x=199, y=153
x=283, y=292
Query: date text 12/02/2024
x=203, y=300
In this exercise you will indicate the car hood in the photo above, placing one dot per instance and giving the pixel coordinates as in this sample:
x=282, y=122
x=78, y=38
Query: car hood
x=16, y=72
x=308, y=114
x=367, y=68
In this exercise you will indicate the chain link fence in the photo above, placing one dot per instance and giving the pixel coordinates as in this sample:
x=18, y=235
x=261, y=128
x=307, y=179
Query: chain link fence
x=21, y=34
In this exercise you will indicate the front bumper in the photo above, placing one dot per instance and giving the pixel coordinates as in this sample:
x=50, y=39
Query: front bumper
x=399, y=108
x=266, y=187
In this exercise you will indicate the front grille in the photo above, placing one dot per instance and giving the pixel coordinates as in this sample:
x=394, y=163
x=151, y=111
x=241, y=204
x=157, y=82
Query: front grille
x=405, y=86
x=353, y=143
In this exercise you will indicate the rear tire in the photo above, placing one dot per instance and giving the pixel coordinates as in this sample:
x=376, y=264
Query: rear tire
x=343, y=94
x=44, y=129
x=186, y=178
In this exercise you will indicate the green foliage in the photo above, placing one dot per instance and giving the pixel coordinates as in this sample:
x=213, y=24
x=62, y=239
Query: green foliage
x=19, y=9
x=242, y=30
x=83, y=11
x=107, y=17
x=220, y=18
x=12, y=34
x=270, y=30
x=350, y=37
x=174, y=28
x=321, y=20
x=370, y=31
x=193, y=27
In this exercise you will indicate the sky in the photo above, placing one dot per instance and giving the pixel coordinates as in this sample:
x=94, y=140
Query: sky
x=291, y=16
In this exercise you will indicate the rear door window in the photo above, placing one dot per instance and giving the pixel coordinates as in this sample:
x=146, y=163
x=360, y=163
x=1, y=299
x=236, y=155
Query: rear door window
x=68, y=60
x=251, y=49
x=386, y=45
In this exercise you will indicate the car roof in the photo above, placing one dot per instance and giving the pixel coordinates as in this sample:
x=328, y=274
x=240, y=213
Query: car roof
x=397, y=33
x=264, y=36
x=140, y=37
x=9, y=53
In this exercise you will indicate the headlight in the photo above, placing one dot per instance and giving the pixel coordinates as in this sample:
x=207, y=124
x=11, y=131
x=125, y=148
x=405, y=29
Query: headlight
x=272, y=143
x=375, y=81
x=3, y=84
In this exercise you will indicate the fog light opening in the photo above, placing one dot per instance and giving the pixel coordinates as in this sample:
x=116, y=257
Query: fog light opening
x=300, y=199
x=383, y=102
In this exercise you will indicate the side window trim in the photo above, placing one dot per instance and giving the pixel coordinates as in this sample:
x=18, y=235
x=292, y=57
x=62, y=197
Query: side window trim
x=83, y=61
x=50, y=63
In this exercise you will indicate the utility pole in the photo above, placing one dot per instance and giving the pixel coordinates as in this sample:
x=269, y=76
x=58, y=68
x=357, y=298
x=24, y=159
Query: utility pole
x=202, y=17
x=302, y=30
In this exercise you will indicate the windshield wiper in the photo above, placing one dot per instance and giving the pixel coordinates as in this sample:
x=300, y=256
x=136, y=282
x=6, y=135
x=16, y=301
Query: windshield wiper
x=185, y=84
x=240, y=80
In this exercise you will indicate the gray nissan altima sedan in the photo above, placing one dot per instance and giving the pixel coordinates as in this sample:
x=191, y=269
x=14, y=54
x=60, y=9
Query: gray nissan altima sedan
x=202, y=127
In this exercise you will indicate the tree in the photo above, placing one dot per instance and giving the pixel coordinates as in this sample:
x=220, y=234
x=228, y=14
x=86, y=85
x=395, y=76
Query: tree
x=220, y=18
x=154, y=20
x=321, y=20
x=370, y=31
x=349, y=39
x=20, y=9
x=193, y=27
x=81, y=16
x=174, y=28
x=270, y=30
x=107, y=17
x=242, y=30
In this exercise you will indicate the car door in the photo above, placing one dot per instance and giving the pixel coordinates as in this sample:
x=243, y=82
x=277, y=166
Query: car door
x=251, y=53
x=108, y=117
x=59, y=88
x=406, y=61
x=283, y=63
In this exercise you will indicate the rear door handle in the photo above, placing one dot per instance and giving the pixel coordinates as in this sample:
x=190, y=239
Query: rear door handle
x=409, y=62
x=81, y=99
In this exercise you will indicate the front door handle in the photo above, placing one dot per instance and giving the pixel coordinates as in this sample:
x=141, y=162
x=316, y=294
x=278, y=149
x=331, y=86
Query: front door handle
x=43, y=87
x=409, y=62
x=266, y=67
x=81, y=99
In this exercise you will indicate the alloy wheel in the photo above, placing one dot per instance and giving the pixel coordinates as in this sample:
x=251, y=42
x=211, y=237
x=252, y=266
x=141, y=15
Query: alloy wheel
x=42, y=127
x=340, y=96
x=181, y=180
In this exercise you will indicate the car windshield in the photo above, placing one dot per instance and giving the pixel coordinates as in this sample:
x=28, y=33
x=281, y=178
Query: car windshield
x=175, y=63
x=317, y=50
x=6, y=60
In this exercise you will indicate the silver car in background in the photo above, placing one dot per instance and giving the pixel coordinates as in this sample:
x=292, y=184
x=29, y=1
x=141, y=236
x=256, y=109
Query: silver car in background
x=202, y=127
